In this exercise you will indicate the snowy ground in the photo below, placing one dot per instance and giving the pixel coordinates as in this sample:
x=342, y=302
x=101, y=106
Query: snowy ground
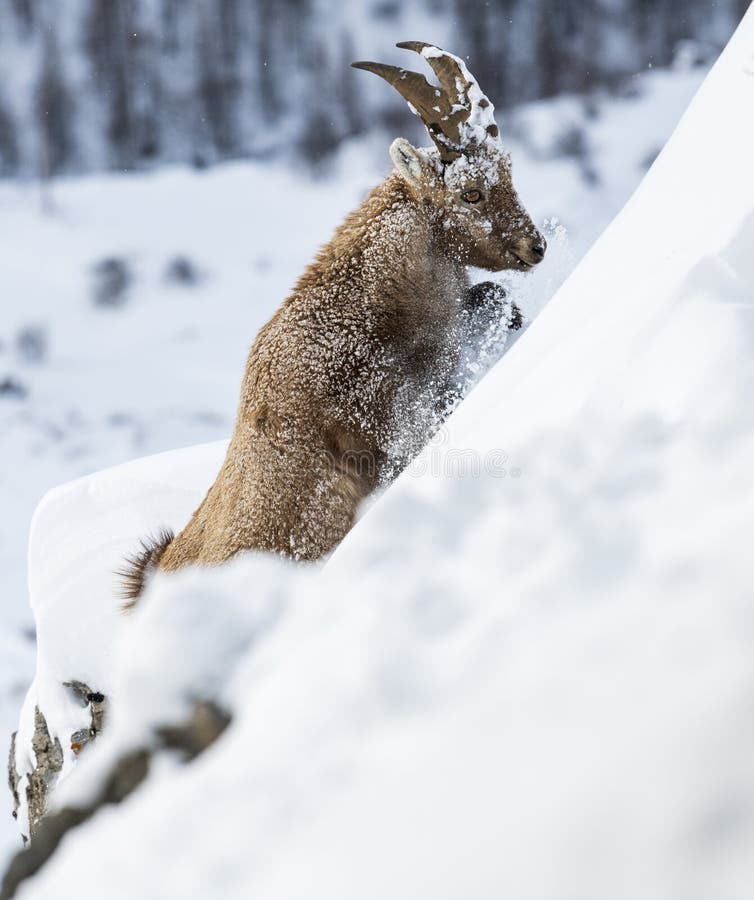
x=88, y=385
x=537, y=686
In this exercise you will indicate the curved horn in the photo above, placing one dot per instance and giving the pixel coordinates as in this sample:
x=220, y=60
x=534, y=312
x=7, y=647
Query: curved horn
x=412, y=86
x=461, y=88
x=446, y=66
x=443, y=110
x=427, y=101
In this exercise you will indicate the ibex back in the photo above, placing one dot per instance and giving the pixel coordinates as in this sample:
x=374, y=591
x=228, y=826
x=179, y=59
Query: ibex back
x=353, y=372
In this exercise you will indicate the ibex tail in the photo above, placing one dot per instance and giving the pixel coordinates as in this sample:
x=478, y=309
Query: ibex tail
x=140, y=565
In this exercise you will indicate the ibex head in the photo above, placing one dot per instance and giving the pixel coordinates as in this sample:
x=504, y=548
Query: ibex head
x=467, y=181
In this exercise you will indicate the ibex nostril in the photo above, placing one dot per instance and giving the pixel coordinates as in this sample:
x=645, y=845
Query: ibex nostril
x=539, y=250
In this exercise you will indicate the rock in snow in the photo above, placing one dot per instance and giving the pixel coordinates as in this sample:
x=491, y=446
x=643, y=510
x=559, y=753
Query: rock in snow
x=528, y=670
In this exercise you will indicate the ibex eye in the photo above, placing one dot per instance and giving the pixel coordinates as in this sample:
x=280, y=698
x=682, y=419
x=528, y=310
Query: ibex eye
x=471, y=196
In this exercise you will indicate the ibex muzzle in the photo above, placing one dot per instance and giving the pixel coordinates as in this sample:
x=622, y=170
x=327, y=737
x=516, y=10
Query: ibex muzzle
x=469, y=179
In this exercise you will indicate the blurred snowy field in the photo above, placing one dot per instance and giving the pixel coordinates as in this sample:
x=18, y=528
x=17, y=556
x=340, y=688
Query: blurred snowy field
x=129, y=302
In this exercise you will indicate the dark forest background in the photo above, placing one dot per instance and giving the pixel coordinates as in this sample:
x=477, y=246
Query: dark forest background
x=124, y=84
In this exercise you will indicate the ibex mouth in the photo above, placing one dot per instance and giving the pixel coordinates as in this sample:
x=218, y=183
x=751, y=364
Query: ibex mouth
x=520, y=260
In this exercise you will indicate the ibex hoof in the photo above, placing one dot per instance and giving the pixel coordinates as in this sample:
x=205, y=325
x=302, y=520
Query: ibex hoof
x=487, y=305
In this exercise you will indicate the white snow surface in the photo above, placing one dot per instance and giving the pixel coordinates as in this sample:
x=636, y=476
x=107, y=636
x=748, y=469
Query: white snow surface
x=528, y=670
x=162, y=370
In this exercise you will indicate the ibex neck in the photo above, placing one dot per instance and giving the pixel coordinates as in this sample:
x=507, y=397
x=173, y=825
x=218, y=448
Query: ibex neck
x=390, y=234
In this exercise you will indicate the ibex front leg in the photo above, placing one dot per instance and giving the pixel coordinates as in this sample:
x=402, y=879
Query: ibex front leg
x=486, y=307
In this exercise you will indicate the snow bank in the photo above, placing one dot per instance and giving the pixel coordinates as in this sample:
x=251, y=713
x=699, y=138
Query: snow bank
x=528, y=670
x=92, y=402
x=94, y=524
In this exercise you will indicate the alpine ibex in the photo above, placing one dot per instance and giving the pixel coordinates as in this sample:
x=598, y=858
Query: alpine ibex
x=353, y=372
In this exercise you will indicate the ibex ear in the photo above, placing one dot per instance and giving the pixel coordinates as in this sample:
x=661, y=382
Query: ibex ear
x=409, y=165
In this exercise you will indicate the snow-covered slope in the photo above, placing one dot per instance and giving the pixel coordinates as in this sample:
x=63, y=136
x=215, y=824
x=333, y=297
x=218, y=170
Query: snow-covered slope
x=94, y=524
x=86, y=383
x=528, y=671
